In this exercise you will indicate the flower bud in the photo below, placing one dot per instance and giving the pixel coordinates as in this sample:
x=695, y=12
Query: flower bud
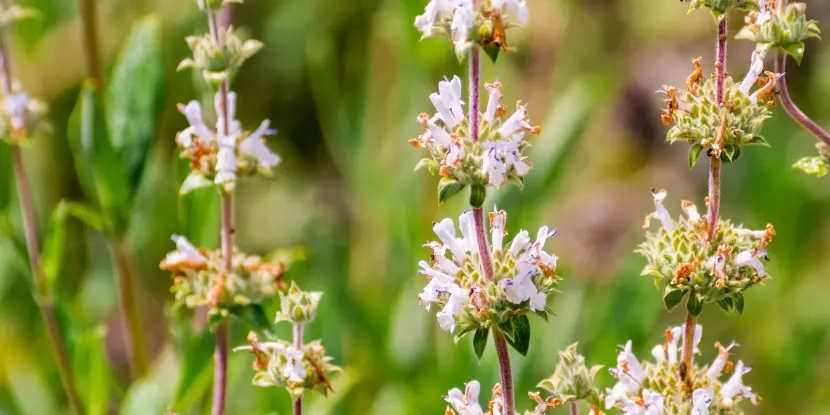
x=297, y=306
x=572, y=380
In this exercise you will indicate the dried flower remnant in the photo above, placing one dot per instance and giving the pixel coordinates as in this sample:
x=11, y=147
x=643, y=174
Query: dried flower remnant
x=524, y=278
x=645, y=387
x=199, y=279
x=684, y=259
x=494, y=159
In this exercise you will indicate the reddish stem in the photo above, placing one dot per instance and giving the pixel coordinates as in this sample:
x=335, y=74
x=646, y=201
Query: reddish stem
x=483, y=244
x=789, y=105
x=298, y=344
x=504, y=370
x=714, y=159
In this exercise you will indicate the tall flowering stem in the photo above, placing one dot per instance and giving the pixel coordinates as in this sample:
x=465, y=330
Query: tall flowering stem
x=574, y=408
x=89, y=29
x=134, y=336
x=298, y=344
x=714, y=160
x=787, y=101
x=505, y=371
x=27, y=211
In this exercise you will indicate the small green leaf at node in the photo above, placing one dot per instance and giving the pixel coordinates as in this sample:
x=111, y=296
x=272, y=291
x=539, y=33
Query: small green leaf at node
x=480, y=341
x=796, y=50
x=448, y=188
x=693, y=305
x=521, y=338
x=477, y=194
x=694, y=153
x=672, y=298
x=739, y=303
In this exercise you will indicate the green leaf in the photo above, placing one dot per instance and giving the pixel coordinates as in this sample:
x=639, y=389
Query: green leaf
x=195, y=180
x=672, y=298
x=92, y=373
x=254, y=315
x=508, y=329
x=542, y=313
x=521, y=338
x=99, y=166
x=480, y=341
x=133, y=96
x=758, y=140
x=429, y=164
x=726, y=304
x=493, y=52
x=739, y=303
x=477, y=195
x=693, y=305
x=52, y=257
x=796, y=50
x=813, y=165
x=728, y=153
x=694, y=153
x=448, y=188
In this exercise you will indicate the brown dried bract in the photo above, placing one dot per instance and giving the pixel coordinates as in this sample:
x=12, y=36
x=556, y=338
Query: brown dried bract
x=215, y=294
x=671, y=104
x=682, y=272
x=499, y=38
x=693, y=79
x=720, y=135
x=767, y=85
x=551, y=402
x=322, y=378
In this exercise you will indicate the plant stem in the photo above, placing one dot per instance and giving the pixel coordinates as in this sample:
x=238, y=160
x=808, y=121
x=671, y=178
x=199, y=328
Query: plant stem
x=139, y=364
x=92, y=55
x=475, y=71
x=483, y=245
x=789, y=105
x=42, y=296
x=298, y=344
x=504, y=369
x=688, y=345
x=714, y=159
x=228, y=230
x=574, y=408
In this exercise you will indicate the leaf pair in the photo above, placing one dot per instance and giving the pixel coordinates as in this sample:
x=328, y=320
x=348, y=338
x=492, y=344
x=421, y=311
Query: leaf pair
x=516, y=331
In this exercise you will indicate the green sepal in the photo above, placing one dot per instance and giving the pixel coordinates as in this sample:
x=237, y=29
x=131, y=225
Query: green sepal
x=796, y=50
x=492, y=51
x=694, y=153
x=672, y=298
x=448, y=188
x=693, y=305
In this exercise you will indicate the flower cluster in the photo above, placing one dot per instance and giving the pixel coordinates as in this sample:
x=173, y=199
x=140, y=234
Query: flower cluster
x=278, y=363
x=199, y=279
x=219, y=59
x=482, y=23
x=19, y=115
x=298, y=306
x=684, y=258
x=772, y=27
x=700, y=121
x=817, y=165
x=572, y=379
x=720, y=7
x=467, y=402
x=524, y=275
x=494, y=160
x=657, y=388
x=216, y=157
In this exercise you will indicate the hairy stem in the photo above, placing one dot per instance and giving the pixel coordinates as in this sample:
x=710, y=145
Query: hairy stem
x=92, y=55
x=505, y=371
x=475, y=74
x=228, y=231
x=298, y=344
x=139, y=364
x=574, y=408
x=220, y=368
x=42, y=297
x=483, y=245
x=789, y=105
x=688, y=346
x=714, y=159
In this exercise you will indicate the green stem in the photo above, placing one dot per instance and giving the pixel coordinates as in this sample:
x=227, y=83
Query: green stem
x=92, y=56
x=139, y=363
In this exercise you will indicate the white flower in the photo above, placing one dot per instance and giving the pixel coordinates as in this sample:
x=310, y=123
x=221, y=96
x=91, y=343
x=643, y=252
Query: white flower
x=294, y=370
x=755, y=70
x=716, y=368
x=752, y=257
x=254, y=145
x=465, y=403
x=448, y=102
x=653, y=402
x=225, y=165
x=520, y=241
x=434, y=131
x=193, y=112
x=493, y=102
x=458, y=298
x=735, y=386
x=659, y=353
x=233, y=129
x=497, y=224
x=15, y=106
x=466, y=222
x=185, y=253
x=445, y=230
x=500, y=156
x=691, y=211
x=462, y=22
x=517, y=122
x=660, y=212
x=627, y=359
x=515, y=8
x=676, y=332
x=425, y=22
x=701, y=399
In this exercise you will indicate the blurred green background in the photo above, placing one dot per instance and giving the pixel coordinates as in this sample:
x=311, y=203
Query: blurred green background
x=343, y=82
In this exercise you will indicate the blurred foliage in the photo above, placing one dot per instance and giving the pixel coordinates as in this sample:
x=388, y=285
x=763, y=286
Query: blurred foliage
x=343, y=82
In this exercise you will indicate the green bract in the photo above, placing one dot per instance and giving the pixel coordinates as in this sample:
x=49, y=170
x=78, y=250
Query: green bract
x=787, y=29
x=817, y=165
x=572, y=380
x=218, y=60
x=720, y=7
x=699, y=117
x=718, y=270
x=298, y=306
